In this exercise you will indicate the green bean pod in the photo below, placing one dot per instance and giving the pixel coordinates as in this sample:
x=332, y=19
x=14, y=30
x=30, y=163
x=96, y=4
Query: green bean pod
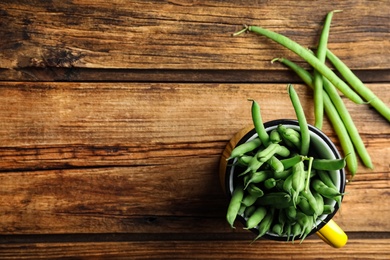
x=309, y=57
x=290, y=162
x=257, y=177
x=249, y=200
x=258, y=123
x=275, y=164
x=358, y=85
x=296, y=230
x=282, y=175
x=328, y=209
x=254, y=190
x=234, y=204
x=270, y=183
x=324, y=190
x=265, y=224
x=275, y=137
x=325, y=178
x=245, y=148
x=257, y=216
x=278, y=200
x=329, y=164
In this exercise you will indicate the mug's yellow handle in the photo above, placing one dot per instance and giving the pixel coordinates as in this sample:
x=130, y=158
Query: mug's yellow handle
x=333, y=235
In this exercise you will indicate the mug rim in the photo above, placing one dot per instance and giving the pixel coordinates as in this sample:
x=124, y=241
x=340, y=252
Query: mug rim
x=332, y=147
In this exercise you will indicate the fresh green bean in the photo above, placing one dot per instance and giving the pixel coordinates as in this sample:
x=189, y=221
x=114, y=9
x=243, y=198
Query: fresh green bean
x=277, y=228
x=306, y=223
x=278, y=200
x=290, y=162
x=349, y=124
x=265, y=224
x=309, y=57
x=244, y=160
x=287, y=185
x=325, y=178
x=234, y=204
x=291, y=213
x=318, y=78
x=338, y=124
x=296, y=230
x=311, y=199
x=249, y=211
x=305, y=207
x=258, y=123
x=283, y=174
x=329, y=164
x=245, y=148
x=305, y=134
x=249, y=200
x=320, y=203
x=270, y=183
x=275, y=137
x=275, y=164
x=257, y=177
x=298, y=180
x=324, y=190
x=289, y=136
x=328, y=209
x=253, y=165
x=358, y=85
x=254, y=190
x=257, y=216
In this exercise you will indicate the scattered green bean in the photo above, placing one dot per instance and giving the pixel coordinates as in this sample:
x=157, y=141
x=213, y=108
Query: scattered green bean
x=309, y=57
x=358, y=85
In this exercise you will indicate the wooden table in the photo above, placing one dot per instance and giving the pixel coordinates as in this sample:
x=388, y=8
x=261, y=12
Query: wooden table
x=114, y=115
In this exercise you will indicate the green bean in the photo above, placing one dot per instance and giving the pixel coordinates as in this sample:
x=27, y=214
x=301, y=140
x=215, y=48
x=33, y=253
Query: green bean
x=244, y=160
x=282, y=218
x=275, y=164
x=298, y=180
x=283, y=174
x=245, y=148
x=249, y=211
x=254, y=190
x=291, y=213
x=278, y=200
x=287, y=185
x=289, y=137
x=311, y=199
x=257, y=177
x=349, y=124
x=270, y=183
x=309, y=172
x=324, y=190
x=253, y=165
x=305, y=134
x=318, y=78
x=267, y=153
x=265, y=224
x=325, y=178
x=277, y=228
x=305, y=207
x=329, y=164
x=234, y=204
x=296, y=230
x=242, y=209
x=306, y=223
x=249, y=200
x=320, y=203
x=328, y=209
x=275, y=137
x=338, y=124
x=257, y=216
x=290, y=162
x=288, y=228
x=258, y=123
x=309, y=57
x=358, y=85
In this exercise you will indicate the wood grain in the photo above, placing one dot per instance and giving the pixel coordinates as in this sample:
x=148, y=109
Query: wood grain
x=184, y=35
x=220, y=249
x=138, y=157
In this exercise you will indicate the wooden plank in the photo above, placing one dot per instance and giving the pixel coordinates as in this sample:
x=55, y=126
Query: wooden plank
x=180, y=35
x=168, y=198
x=143, y=157
x=310, y=249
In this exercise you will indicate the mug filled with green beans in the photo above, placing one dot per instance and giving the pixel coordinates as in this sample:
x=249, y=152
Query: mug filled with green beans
x=285, y=179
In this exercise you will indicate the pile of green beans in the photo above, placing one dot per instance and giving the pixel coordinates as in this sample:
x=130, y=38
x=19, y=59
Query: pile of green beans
x=324, y=82
x=278, y=189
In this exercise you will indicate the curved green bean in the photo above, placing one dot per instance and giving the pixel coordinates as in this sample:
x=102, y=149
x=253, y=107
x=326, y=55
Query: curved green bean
x=358, y=85
x=258, y=123
x=234, y=205
x=305, y=134
x=309, y=57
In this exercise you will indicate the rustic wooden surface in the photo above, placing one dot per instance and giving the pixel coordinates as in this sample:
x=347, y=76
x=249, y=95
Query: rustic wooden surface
x=114, y=115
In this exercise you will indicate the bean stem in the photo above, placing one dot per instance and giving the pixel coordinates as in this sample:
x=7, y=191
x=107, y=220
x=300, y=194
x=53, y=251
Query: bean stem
x=358, y=85
x=309, y=57
x=305, y=134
